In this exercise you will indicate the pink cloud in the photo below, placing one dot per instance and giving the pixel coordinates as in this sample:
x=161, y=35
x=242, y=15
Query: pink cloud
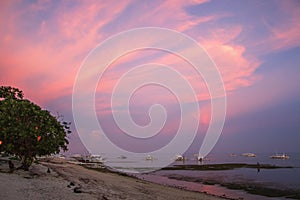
x=236, y=69
x=44, y=61
x=73, y=32
x=47, y=59
x=284, y=34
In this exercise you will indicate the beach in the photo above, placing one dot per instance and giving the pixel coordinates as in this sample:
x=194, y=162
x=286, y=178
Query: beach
x=71, y=181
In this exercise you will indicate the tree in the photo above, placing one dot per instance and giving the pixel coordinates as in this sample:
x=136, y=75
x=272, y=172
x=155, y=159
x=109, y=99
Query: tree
x=28, y=131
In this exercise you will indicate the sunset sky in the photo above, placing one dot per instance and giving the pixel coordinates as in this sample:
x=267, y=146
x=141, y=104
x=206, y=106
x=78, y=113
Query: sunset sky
x=254, y=44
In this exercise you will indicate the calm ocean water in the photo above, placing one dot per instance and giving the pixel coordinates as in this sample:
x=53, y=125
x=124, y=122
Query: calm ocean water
x=281, y=179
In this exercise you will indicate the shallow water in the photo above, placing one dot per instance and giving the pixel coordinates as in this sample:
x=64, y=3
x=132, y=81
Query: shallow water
x=209, y=189
x=279, y=179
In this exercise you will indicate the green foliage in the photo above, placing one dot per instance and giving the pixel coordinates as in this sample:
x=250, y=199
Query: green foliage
x=10, y=92
x=28, y=131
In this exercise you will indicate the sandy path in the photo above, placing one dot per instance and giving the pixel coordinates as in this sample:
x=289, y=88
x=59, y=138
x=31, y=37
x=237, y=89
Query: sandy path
x=38, y=184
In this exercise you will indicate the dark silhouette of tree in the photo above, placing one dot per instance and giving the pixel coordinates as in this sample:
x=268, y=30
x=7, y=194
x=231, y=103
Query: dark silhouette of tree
x=28, y=131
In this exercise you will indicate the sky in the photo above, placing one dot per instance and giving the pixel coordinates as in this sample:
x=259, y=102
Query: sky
x=254, y=44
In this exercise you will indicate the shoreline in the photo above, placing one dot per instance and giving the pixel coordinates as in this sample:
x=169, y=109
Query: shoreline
x=269, y=190
x=71, y=181
x=249, y=189
x=90, y=182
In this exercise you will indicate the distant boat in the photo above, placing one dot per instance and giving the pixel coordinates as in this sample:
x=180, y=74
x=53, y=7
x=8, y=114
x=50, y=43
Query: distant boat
x=149, y=157
x=95, y=159
x=179, y=158
x=59, y=156
x=249, y=155
x=76, y=156
x=88, y=159
x=280, y=156
x=232, y=155
x=122, y=157
x=200, y=158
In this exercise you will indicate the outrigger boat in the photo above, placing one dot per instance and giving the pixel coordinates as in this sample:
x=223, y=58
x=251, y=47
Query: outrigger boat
x=280, y=156
x=149, y=157
x=179, y=158
x=249, y=155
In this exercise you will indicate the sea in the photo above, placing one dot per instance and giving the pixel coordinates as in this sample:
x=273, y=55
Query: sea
x=238, y=183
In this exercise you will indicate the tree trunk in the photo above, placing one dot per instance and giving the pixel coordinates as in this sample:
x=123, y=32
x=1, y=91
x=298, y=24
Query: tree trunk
x=26, y=162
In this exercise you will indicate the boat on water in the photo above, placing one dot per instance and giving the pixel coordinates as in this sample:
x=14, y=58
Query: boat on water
x=200, y=158
x=280, y=156
x=95, y=159
x=149, y=157
x=249, y=155
x=179, y=158
x=122, y=157
x=88, y=159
